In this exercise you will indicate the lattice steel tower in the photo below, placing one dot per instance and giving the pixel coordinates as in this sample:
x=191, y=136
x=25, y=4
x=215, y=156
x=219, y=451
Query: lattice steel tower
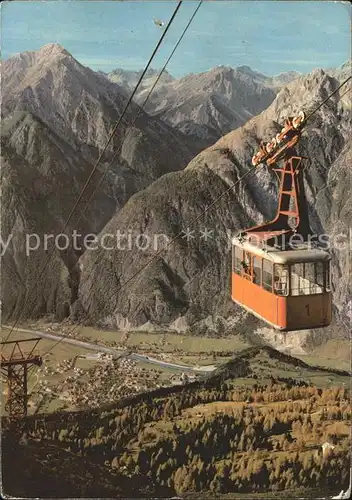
x=15, y=365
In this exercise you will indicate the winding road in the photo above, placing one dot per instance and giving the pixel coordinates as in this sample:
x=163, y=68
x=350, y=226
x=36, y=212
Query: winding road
x=116, y=353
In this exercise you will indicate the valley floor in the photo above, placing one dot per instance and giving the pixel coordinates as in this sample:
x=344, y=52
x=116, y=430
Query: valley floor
x=90, y=367
x=255, y=426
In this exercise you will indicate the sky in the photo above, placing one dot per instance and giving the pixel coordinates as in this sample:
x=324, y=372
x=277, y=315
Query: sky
x=269, y=36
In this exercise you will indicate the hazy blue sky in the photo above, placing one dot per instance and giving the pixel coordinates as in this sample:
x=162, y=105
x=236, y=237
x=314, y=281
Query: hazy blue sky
x=270, y=36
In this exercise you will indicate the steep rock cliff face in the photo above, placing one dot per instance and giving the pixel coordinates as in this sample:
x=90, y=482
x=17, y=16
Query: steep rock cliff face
x=334, y=203
x=56, y=118
x=81, y=106
x=41, y=177
x=191, y=279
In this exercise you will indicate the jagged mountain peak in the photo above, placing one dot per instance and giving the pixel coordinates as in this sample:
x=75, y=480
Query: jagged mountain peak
x=342, y=72
x=286, y=77
x=182, y=196
x=54, y=86
x=46, y=53
x=247, y=70
x=207, y=105
x=80, y=105
x=305, y=93
x=57, y=116
x=27, y=69
x=129, y=78
x=229, y=73
x=52, y=49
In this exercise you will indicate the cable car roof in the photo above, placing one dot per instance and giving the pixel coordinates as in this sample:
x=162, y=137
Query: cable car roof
x=291, y=256
x=279, y=256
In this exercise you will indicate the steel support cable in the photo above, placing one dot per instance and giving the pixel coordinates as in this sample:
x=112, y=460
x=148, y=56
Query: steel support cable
x=131, y=125
x=112, y=133
x=143, y=105
x=158, y=253
x=188, y=282
x=309, y=116
x=139, y=113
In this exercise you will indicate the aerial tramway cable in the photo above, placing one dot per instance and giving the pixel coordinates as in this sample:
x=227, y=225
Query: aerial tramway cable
x=141, y=108
x=114, y=129
x=254, y=169
x=139, y=112
x=159, y=252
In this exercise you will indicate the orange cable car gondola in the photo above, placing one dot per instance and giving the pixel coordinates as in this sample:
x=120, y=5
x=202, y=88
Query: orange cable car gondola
x=284, y=283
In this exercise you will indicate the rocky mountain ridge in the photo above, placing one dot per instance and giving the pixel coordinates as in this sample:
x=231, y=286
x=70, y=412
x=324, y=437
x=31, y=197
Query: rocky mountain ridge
x=207, y=105
x=210, y=104
x=56, y=119
x=129, y=79
x=189, y=284
x=191, y=280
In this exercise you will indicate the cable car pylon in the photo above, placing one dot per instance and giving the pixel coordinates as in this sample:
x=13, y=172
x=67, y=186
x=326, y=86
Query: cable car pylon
x=292, y=214
x=14, y=366
x=276, y=274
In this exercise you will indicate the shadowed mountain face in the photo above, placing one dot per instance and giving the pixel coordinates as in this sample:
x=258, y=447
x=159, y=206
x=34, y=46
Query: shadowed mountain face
x=82, y=106
x=191, y=279
x=57, y=116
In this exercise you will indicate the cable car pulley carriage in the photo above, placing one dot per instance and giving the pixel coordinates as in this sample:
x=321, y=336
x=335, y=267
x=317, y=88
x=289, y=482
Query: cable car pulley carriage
x=285, y=284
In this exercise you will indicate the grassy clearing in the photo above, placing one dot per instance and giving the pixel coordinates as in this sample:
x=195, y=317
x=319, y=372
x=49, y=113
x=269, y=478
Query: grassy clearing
x=334, y=363
x=335, y=349
x=205, y=344
x=335, y=353
x=166, y=342
x=263, y=365
x=101, y=335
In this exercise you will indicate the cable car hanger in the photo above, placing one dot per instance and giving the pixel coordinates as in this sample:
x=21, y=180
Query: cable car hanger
x=286, y=286
x=157, y=254
x=292, y=212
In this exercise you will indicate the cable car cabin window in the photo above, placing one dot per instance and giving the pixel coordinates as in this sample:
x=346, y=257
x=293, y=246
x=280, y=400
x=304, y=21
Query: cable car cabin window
x=257, y=270
x=327, y=276
x=306, y=278
x=319, y=274
x=267, y=282
x=237, y=259
x=297, y=279
x=315, y=276
x=247, y=265
x=281, y=281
